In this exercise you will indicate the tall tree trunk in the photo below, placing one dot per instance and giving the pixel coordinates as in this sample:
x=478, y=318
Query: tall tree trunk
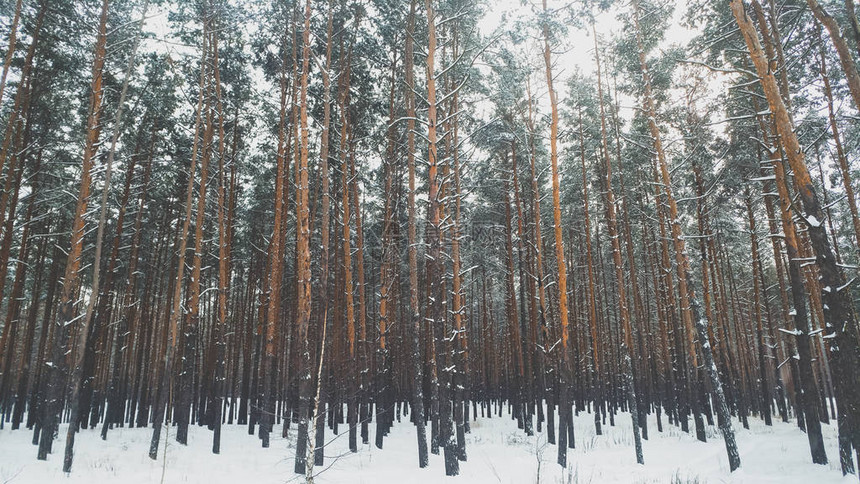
x=597, y=383
x=12, y=323
x=689, y=303
x=387, y=291
x=363, y=361
x=446, y=434
x=192, y=330
x=839, y=320
x=564, y=404
x=71, y=279
x=86, y=345
x=539, y=269
x=175, y=310
x=272, y=310
x=757, y=285
x=303, y=256
x=220, y=328
x=512, y=319
x=348, y=290
x=415, y=313
x=624, y=312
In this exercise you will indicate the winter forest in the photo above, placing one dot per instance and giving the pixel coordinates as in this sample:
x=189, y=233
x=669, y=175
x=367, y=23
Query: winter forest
x=514, y=241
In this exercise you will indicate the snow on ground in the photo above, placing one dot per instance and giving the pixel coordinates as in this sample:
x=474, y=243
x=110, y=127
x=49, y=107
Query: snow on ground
x=497, y=453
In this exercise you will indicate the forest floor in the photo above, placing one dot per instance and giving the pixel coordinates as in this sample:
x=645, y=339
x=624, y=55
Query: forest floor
x=497, y=453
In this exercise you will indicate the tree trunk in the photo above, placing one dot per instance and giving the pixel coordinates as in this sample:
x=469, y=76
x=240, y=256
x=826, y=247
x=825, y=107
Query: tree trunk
x=303, y=256
x=839, y=319
x=689, y=304
x=71, y=279
x=169, y=353
x=624, y=312
x=564, y=404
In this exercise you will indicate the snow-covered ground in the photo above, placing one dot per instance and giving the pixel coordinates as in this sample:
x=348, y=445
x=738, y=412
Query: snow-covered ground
x=497, y=453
